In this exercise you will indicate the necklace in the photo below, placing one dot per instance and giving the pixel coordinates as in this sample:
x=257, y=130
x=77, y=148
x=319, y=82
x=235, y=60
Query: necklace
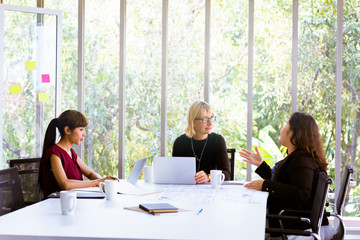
x=202, y=151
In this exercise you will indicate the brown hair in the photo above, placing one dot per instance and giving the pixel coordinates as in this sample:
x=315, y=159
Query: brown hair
x=70, y=118
x=306, y=136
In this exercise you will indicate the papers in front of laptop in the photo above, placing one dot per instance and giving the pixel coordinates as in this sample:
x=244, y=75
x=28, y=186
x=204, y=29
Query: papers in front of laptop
x=124, y=187
x=88, y=189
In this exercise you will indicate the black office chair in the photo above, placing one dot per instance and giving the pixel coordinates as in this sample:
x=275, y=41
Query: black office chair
x=11, y=197
x=232, y=151
x=337, y=207
x=313, y=218
x=29, y=178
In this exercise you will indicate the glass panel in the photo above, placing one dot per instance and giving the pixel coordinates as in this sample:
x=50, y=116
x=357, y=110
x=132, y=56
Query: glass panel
x=102, y=85
x=29, y=82
x=185, y=62
x=69, y=51
x=228, y=73
x=350, y=139
x=317, y=71
x=143, y=80
x=27, y=3
x=272, y=75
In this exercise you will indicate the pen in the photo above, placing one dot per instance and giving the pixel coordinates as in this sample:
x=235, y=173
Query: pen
x=199, y=211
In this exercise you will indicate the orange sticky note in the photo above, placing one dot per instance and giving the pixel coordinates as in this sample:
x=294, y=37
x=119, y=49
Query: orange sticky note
x=43, y=97
x=15, y=89
x=30, y=65
x=45, y=78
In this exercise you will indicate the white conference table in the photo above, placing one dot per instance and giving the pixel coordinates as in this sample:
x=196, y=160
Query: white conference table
x=231, y=212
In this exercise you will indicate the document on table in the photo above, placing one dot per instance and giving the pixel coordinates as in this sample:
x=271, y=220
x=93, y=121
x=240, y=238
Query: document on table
x=124, y=187
x=200, y=193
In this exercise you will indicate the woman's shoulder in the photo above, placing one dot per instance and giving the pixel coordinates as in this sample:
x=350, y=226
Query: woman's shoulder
x=216, y=137
x=182, y=138
x=302, y=157
x=53, y=148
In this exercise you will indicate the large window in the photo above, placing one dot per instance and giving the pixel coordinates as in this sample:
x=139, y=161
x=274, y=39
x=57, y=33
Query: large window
x=101, y=85
x=272, y=75
x=228, y=73
x=186, y=25
x=350, y=139
x=185, y=62
x=29, y=78
x=143, y=81
x=69, y=51
x=317, y=72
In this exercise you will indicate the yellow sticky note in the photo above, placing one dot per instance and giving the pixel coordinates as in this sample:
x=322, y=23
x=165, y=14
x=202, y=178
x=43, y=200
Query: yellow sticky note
x=15, y=89
x=43, y=97
x=30, y=65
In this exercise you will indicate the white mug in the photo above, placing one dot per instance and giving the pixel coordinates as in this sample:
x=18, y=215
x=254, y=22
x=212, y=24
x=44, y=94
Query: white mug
x=110, y=187
x=217, y=178
x=68, y=202
x=148, y=173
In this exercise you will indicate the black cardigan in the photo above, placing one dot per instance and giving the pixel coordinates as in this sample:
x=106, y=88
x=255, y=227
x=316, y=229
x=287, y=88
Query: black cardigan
x=291, y=183
x=214, y=157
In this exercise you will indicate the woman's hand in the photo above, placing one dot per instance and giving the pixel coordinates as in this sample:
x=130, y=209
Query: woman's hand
x=250, y=157
x=201, y=177
x=256, y=185
x=105, y=178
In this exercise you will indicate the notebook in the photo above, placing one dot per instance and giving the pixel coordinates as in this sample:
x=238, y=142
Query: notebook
x=158, y=208
x=136, y=171
x=174, y=170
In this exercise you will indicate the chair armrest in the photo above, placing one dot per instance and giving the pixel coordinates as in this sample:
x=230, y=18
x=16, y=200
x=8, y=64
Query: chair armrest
x=287, y=217
x=295, y=212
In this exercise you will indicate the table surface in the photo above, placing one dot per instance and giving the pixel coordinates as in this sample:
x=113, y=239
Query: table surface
x=230, y=212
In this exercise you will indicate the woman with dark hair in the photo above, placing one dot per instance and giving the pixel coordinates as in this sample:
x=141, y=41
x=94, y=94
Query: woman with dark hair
x=291, y=183
x=60, y=167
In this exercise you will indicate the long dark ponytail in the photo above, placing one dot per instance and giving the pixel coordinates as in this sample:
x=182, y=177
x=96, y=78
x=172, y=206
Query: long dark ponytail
x=70, y=118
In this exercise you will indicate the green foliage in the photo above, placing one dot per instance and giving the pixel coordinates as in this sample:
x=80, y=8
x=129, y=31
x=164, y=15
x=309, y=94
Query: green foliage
x=228, y=77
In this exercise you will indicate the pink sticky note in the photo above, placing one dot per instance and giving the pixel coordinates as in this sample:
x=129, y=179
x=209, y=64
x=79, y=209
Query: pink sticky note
x=45, y=78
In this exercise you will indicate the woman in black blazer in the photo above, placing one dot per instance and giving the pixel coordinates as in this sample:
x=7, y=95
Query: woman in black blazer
x=291, y=183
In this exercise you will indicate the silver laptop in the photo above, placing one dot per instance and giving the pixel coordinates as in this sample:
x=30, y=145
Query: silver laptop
x=136, y=171
x=174, y=170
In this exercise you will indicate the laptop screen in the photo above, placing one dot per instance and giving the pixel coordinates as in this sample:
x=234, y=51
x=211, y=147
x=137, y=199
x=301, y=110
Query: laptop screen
x=174, y=170
x=136, y=171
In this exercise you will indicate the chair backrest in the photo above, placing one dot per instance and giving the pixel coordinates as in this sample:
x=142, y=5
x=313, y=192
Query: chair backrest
x=344, y=185
x=29, y=178
x=232, y=151
x=319, y=202
x=11, y=197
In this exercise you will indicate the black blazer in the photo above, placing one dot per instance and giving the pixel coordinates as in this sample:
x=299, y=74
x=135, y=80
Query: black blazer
x=291, y=183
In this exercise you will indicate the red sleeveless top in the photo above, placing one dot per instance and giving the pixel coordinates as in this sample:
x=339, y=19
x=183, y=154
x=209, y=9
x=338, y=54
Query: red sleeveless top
x=71, y=168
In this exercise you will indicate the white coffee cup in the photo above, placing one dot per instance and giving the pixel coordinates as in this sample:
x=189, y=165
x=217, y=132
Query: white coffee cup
x=217, y=178
x=148, y=173
x=68, y=202
x=110, y=188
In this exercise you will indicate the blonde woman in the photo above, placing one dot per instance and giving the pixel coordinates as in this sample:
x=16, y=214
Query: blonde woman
x=201, y=142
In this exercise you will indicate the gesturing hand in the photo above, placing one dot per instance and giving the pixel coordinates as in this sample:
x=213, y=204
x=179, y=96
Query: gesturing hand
x=250, y=157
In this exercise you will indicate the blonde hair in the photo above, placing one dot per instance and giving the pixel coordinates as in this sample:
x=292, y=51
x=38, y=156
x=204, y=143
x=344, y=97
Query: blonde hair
x=195, y=110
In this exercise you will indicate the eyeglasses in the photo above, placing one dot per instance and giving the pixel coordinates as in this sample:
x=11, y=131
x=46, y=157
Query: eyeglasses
x=205, y=119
